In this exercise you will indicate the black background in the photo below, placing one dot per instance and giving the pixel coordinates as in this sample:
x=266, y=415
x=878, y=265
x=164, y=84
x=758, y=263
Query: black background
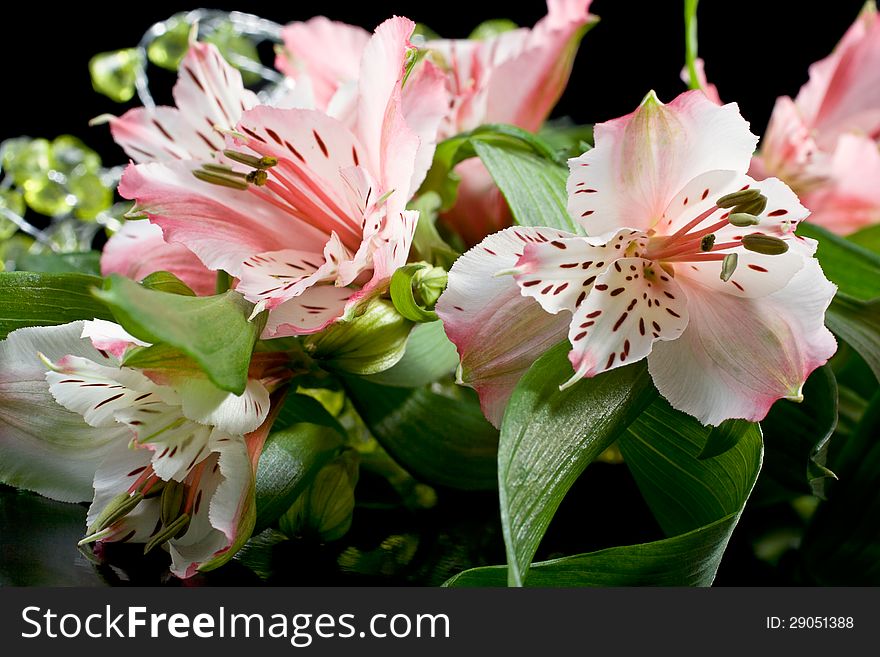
x=755, y=51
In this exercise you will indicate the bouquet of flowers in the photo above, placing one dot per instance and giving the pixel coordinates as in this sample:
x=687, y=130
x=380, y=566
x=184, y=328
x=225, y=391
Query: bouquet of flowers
x=380, y=282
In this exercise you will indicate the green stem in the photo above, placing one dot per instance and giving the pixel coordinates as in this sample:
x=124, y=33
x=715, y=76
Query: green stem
x=690, y=42
x=224, y=281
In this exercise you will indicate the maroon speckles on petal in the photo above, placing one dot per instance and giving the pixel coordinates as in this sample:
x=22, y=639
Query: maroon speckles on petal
x=673, y=313
x=705, y=194
x=321, y=143
x=489, y=251
x=738, y=286
x=530, y=283
x=587, y=213
x=589, y=281
x=656, y=326
x=558, y=244
x=594, y=314
x=252, y=134
x=757, y=268
x=777, y=213
x=617, y=264
x=610, y=361
x=547, y=289
x=585, y=191
x=354, y=156
x=617, y=291
x=668, y=294
x=587, y=264
x=295, y=152
x=620, y=320
x=580, y=336
x=560, y=288
x=108, y=400
x=136, y=471
x=642, y=325
x=601, y=287
x=569, y=265
x=580, y=299
x=274, y=136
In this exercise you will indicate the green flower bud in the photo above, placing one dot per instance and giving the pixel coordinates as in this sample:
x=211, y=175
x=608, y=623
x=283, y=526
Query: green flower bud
x=369, y=343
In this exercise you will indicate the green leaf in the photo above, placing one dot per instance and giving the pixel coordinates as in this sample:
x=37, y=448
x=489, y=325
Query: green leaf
x=854, y=269
x=842, y=544
x=696, y=501
x=858, y=324
x=38, y=299
x=369, y=343
x=533, y=187
x=213, y=331
x=429, y=356
x=867, y=238
x=298, y=408
x=88, y=262
x=549, y=436
x=662, y=449
x=440, y=439
x=165, y=281
x=796, y=438
x=691, y=559
x=289, y=462
x=427, y=242
x=722, y=438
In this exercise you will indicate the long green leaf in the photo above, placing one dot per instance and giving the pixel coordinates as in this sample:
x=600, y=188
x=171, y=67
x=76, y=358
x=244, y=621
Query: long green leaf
x=696, y=501
x=87, y=262
x=439, y=439
x=548, y=437
x=857, y=323
x=853, y=268
x=37, y=299
x=213, y=331
x=534, y=187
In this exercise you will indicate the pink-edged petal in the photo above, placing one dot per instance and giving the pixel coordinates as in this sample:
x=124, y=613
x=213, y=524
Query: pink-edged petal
x=209, y=92
x=313, y=310
x=307, y=48
x=643, y=159
x=390, y=248
x=559, y=274
x=138, y=249
x=270, y=279
x=706, y=87
x=119, y=472
x=425, y=100
x=45, y=447
x=851, y=198
x=203, y=402
x=738, y=356
x=176, y=443
x=311, y=148
x=498, y=332
x=788, y=149
x=697, y=197
x=632, y=305
x=480, y=208
x=110, y=337
x=523, y=89
x=843, y=93
x=222, y=226
x=95, y=391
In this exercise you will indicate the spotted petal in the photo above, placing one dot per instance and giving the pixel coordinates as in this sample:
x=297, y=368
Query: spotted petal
x=110, y=337
x=209, y=92
x=498, y=332
x=560, y=274
x=738, y=355
x=47, y=448
x=632, y=305
x=313, y=310
x=205, y=403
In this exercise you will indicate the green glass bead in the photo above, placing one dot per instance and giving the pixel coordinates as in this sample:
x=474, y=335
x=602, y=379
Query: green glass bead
x=167, y=50
x=48, y=197
x=11, y=200
x=24, y=159
x=492, y=28
x=114, y=73
x=92, y=196
x=231, y=44
x=69, y=154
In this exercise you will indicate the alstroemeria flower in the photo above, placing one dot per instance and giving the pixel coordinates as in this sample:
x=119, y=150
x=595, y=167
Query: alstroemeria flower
x=209, y=93
x=171, y=458
x=312, y=217
x=826, y=142
x=693, y=265
x=515, y=77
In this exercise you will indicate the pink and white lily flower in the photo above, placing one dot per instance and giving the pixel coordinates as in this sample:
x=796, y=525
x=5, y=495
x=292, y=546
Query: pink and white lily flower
x=690, y=263
x=516, y=77
x=171, y=460
x=826, y=142
x=310, y=216
x=209, y=93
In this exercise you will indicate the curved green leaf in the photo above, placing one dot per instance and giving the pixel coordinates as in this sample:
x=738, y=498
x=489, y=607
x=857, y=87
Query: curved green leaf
x=867, y=238
x=299, y=408
x=857, y=323
x=548, y=437
x=165, y=281
x=854, y=269
x=214, y=331
x=40, y=299
x=696, y=501
x=429, y=356
x=722, y=438
x=439, y=439
x=87, y=262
